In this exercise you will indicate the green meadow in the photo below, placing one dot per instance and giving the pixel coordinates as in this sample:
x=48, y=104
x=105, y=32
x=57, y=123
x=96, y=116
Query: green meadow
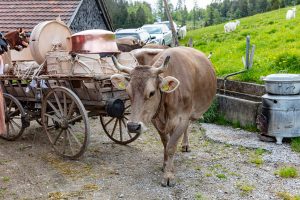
x=277, y=42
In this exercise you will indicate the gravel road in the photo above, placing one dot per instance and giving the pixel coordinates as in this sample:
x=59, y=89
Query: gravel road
x=220, y=166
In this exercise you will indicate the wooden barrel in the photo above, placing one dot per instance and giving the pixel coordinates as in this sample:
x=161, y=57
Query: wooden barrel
x=45, y=36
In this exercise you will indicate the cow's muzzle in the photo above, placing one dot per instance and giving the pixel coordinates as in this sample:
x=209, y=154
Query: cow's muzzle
x=134, y=127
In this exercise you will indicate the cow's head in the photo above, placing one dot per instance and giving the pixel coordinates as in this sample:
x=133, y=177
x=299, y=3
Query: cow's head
x=144, y=86
x=18, y=39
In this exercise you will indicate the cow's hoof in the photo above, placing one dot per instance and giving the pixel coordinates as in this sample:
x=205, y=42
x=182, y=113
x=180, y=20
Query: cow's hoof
x=185, y=148
x=168, y=182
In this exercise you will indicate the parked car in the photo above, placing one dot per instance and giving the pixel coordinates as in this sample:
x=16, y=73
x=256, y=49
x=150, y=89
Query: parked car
x=139, y=34
x=181, y=31
x=160, y=34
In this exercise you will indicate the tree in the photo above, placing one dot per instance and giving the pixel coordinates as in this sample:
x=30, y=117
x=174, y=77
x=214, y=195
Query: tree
x=140, y=17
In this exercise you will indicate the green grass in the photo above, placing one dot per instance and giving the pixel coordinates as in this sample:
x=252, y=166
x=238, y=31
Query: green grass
x=245, y=188
x=277, y=43
x=199, y=196
x=221, y=176
x=295, y=144
x=287, y=172
x=287, y=196
x=5, y=179
x=256, y=157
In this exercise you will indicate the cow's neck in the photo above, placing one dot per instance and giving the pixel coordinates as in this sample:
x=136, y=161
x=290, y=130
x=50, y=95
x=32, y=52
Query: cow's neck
x=159, y=105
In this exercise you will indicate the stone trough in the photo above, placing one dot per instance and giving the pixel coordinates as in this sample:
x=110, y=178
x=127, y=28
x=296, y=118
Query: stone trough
x=240, y=101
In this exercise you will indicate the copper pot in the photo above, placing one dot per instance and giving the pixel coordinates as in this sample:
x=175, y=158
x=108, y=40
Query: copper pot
x=93, y=41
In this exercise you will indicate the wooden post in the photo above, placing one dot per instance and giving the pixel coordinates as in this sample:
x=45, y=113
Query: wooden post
x=190, y=42
x=174, y=34
x=2, y=113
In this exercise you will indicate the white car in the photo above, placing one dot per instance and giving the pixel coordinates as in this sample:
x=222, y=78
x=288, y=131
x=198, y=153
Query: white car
x=180, y=30
x=160, y=34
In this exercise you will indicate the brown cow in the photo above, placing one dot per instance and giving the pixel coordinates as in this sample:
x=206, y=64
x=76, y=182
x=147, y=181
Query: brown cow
x=169, y=96
x=145, y=56
x=155, y=46
x=127, y=44
x=17, y=40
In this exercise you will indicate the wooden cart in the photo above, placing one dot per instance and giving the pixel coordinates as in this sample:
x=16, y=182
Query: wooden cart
x=63, y=110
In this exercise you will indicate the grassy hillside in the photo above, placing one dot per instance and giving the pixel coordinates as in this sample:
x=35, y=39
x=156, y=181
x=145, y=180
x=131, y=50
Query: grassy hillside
x=277, y=43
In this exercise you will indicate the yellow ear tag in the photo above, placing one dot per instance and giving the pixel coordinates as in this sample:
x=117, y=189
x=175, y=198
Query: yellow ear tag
x=121, y=85
x=165, y=87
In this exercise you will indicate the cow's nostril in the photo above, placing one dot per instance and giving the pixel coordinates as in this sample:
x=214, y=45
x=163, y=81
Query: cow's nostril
x=134, y=127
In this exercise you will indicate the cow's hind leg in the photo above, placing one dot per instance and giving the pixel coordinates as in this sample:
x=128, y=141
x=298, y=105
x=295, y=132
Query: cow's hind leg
x=169, y=177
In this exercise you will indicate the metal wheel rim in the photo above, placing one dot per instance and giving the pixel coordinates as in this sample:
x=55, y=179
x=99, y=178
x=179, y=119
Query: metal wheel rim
x=63, y=132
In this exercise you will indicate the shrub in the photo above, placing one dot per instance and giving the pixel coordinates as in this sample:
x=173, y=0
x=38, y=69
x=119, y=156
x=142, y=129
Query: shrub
x=211, y=114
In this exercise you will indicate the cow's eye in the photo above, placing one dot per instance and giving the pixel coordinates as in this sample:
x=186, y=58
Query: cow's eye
x=151, y=94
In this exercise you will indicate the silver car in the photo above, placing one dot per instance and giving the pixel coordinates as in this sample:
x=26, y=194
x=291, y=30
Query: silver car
x=160, y=34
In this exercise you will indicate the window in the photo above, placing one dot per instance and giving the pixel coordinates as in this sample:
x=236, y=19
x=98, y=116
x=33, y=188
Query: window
x=153, y=29
x=144, y=36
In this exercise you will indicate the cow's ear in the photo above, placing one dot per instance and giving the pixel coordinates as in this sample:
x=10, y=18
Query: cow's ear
x=119, y=81
x=169, y=84
x=20, y=30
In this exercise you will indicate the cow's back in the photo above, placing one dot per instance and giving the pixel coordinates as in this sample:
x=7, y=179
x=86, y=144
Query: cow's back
x=197, y=81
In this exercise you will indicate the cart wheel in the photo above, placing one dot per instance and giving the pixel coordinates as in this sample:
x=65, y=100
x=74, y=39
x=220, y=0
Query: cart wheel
x=65, y=121
x=14, y=118
x=116, y=128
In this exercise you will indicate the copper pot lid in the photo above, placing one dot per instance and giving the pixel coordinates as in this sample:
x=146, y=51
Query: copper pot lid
x=94, y=41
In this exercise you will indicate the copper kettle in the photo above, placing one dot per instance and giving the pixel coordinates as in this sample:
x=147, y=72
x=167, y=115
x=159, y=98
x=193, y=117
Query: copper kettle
x=94, y=41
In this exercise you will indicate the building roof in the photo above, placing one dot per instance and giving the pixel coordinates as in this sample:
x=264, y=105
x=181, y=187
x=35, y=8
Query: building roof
x=28, y=13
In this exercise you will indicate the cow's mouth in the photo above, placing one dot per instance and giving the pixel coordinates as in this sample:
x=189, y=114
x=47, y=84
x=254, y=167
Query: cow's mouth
x=25, y=44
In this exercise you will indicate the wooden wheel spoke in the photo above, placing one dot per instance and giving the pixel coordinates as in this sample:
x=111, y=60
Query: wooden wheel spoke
x=57, y=137
x=115, y=125
x=16, y=124
x=59, y=104
x=14, y=112
x=7, y=129
x=53, y=117
x=71, y=110
x=77, y=118
x=54, y=109
x=12, y=128
x=70, y=143
x=10, y=105
x=121, y=134
x=75, y=138
x=65, y=105
x=50, y=127
x=124, y=123
x=65, y=142
x=108, y=122
x=127, y=107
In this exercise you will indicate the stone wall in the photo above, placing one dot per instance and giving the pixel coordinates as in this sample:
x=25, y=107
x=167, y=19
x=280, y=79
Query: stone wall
x=89, y=16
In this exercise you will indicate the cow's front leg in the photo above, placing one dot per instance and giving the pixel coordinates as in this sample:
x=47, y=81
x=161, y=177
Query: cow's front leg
x=185, y=147
x=169, y=177
x=164, y=139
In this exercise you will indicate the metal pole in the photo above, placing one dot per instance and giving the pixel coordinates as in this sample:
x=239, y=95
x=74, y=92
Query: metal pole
x=174, y=34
